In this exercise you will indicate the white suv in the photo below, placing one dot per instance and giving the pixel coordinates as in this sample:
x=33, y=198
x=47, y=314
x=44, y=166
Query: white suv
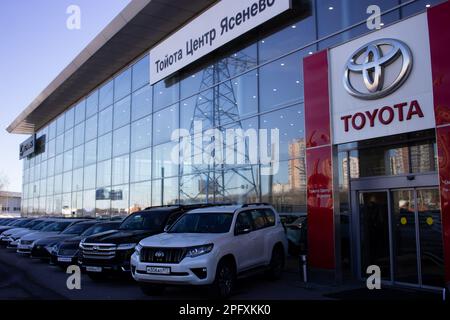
x=212, y=246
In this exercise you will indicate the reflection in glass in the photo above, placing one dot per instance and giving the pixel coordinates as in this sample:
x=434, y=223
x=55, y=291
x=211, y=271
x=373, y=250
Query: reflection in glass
x=104, y=174
x=286, y=190
x=292, y=37
x=79, y=134
x=141, y=102
x=281, y=82
x=141, y=134
x=90, y=152
x=196, y=189
x=346, y=13
x=122, y=85
x=70, y=118
x=105, y=121
x=67, y=182
x=119, y=200
x=59, y=164
x=60, y=144
x=291, y=125
x=121, y=141
x=77, y=180
x=404, y=236
x=91, y=128
x=121, y=170
x=141, y=73
x=166, y=92
x=58, y=183
x=77, y=204
x=89, y=203
x=60, y=125
x=90, y=173
x=163, y=165
x=68, y=140
x=239, y=185
x=68, y=160
x=374, y=228
x=140, y=196
x=80, y=112
x=141, y=165
x=165, y=191
x=104, y=147
x=430, y=231
x=164, y=123
x=92, y=104
x=106, y=95
x=122, y=112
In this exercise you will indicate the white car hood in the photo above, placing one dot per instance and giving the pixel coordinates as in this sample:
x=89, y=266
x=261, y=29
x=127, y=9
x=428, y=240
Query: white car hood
x=37, y=235
x=181, y=240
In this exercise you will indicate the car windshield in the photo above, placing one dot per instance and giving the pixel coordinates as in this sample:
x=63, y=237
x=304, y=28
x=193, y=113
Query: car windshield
x=100, y=228
x=32, y=223
x=41, y=225
x=203, y=223
x=56, y=226
x=77, y=229
x=20, y=223
x=144, y=221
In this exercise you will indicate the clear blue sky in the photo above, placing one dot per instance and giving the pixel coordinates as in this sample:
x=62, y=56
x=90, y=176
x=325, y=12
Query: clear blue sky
x=35, y=46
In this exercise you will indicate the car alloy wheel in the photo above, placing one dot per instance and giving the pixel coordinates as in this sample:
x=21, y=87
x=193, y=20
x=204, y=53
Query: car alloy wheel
x=225, y=280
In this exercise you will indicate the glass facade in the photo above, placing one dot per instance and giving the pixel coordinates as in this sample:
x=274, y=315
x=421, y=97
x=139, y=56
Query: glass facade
x=110, y=153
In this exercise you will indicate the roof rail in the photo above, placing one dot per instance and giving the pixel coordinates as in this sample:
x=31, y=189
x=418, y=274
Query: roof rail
x=246, y=205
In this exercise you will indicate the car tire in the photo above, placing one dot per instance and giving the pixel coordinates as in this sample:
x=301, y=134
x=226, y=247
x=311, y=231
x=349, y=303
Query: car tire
x=224, y=281
x=276, y=265
x=97, y=276
x=152, y=289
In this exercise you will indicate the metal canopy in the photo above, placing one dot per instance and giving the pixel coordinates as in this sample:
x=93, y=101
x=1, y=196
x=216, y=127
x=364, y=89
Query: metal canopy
x=140, y=26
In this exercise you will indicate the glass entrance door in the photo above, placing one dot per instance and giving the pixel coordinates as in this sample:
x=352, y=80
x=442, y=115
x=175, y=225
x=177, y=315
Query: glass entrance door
x=400, y=231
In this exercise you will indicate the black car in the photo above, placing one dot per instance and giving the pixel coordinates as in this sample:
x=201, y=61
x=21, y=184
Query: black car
x=65, y=252
x=296, y=232
x=104, y=254
x=43, y=247
x=18, y=223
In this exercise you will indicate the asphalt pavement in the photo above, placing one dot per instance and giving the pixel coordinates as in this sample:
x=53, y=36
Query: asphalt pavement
x=24, y=278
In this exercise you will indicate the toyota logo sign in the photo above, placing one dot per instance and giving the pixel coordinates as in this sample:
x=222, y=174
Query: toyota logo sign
x=370, y=61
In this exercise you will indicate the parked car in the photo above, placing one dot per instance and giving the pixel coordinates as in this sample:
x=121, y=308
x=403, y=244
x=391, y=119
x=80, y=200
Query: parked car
x=14, y=239
x=65, y=252
x=19, y=223
x=106, y=254
x=212, y=246
x=26, y=242
x=42, y=248
x=6, y=236
x=296, y=233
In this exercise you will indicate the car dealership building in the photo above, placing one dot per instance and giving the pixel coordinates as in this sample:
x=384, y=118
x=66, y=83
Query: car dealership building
x=357, y=116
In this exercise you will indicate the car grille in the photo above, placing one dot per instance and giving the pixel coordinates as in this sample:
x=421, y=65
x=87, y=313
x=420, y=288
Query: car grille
x=162, y=255
x=26, y=242
x=98, y=250
x=67, y=252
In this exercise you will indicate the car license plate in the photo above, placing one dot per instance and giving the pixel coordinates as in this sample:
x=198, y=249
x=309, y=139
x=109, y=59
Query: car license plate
x=94, y=269
x=23, y=247
x=64, y=259
x=158, y=270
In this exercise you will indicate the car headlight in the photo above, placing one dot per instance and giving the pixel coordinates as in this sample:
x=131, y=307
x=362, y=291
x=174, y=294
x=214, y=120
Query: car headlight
x=138, y=249
x=199, y=250
x=126, y=246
